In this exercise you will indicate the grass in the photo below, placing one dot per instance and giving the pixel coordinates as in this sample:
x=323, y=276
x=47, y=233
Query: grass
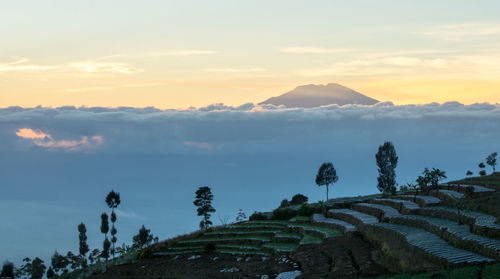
x=328, y=232
x=300, y=219
x=281, y=246
x=223, y=232
x=310, y=239
x=492, y=180
x=238, y=246
x=215, y=239
x=288, y=235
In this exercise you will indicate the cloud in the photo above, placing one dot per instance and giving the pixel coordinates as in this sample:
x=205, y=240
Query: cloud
x=235, y=70
x=106, y=67
x=21, y=65
x=187, y=52
x=128, y=214
x=45, y=140
x=463, y=31
x=314, y=50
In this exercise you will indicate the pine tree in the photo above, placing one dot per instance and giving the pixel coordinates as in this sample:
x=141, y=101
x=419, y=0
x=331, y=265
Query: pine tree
x=203, y=201
x=106, y=244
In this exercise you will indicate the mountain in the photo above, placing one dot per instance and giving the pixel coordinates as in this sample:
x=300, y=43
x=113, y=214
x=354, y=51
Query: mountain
x=308, y=96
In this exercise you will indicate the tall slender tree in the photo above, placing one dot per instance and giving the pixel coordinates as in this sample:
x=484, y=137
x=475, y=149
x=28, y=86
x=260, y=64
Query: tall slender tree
x=113, y=200
x=203, y=201
x=326, y=175
x=387, y=160
x=84, y=247
x=106, y=244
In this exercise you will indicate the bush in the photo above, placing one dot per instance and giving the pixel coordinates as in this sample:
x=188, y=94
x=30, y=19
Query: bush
x=284, y=213
x=298, y=199
x=256, y=216
x=308, y=210
x=209, y=248
x=284, y=203
x=482, y=173
x=393, y=190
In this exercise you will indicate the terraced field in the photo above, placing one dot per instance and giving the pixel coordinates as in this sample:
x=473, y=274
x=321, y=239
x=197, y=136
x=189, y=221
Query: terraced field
x=426, y=224
x=256, y=238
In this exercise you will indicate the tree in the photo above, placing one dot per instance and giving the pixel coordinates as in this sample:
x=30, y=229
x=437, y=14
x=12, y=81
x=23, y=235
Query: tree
x=106, y=244
x=387, y=160
x=469, y=173
x=203, y=201
x=7, y=269
x=94, y=256
x=143, y=238
x=434, y=176
x=84, y=247
x=284, y=203
x=326, y=175
x=113, y=200
x=51, y=273
x=414, y=188
x=59, y=262
x=37, y=269
x=241, y=216
x=491, y=160
x=298, y=199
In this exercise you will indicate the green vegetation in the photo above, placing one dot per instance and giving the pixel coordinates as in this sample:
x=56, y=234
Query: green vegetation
x=492, y=180
x=300, y=219
x=281, y=246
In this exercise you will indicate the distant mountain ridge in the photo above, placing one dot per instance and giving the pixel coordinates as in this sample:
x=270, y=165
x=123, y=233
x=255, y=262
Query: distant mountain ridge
x=311, y=95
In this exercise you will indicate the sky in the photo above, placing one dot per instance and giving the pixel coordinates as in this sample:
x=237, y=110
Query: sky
x=179, y=54
x=154, y=99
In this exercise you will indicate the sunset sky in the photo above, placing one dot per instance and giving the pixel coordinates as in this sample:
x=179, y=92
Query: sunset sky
x=177, y=54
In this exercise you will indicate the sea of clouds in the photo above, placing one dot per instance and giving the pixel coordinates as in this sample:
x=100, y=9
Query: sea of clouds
x=57, y=164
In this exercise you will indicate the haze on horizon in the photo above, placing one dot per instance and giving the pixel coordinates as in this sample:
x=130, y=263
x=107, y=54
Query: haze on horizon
x=178, y=54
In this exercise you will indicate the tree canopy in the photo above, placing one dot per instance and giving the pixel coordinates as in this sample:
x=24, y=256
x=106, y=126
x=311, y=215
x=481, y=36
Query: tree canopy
x=327, y=174
x=387, y=160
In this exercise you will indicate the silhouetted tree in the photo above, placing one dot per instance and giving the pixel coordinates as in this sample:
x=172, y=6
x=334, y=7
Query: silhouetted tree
x=241, y=216
x=94, y=256
x=51, y=273
x=326, y=175
x=469, y=173
x=106, y=244
x=33, y=269
x=203, y=201
x=284, y=203
x=387, y=160
x=491, y=160
x=7, y=269
x=434, y=176
x=84, y=247
x=143, y=238
x=481, y=169
x=59, y=262
x=298, y=199
x=113, y=200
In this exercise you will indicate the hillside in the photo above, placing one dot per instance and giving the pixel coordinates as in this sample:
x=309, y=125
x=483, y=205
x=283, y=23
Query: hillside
x=370, y=236
x=308, y=96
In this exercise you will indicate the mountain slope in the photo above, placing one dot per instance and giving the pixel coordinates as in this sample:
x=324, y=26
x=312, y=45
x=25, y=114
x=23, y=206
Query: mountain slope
x=308, y=96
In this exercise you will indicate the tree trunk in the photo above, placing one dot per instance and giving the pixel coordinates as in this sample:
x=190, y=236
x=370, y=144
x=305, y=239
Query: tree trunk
x=326, y=192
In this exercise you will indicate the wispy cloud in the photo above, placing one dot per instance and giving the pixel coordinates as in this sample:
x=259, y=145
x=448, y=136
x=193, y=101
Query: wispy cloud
x=128, y=214
x=463, y=31
x=41, y=139
x=106, y=67
x=186, y=52
x=236, y=70
x=22, y=65
x=314, y=50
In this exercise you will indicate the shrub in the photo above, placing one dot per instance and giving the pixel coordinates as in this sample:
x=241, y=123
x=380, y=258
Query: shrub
x=257, y=216
x=284, y=203
x=393, y=190
x=308, y=210
x=482, y=173
x=209, y=248
x=284, y=213
x=298, y=199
